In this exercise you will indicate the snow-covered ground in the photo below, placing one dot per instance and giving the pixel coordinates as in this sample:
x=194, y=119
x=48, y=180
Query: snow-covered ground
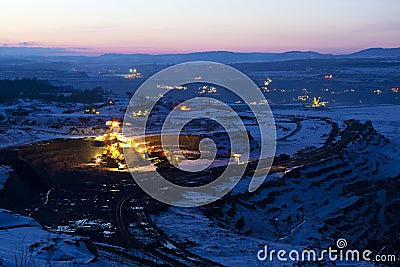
x=228, y=246
x=217, y=244
x=23, y=242
x=224, y=245
x=46, y=121
x=385, y=118
x=312, y=135
x=22, y=238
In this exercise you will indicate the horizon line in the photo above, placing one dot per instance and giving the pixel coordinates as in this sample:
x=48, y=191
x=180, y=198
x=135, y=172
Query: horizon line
x=88, y=52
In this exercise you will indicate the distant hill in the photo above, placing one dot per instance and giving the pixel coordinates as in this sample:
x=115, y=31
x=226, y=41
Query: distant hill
x=218, y=56
x=56, y=58
x=377, y=52
x=228, y=57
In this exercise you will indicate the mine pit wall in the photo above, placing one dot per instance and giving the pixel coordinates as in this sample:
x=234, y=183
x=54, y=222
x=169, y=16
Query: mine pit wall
x=67, y=154
x=188, y=141
x=52, y=156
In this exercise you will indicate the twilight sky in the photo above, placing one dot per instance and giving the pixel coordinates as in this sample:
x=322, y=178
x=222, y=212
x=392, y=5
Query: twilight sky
x=169, y=26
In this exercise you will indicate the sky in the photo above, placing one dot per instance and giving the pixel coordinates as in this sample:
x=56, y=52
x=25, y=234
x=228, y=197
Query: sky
x=180, y=26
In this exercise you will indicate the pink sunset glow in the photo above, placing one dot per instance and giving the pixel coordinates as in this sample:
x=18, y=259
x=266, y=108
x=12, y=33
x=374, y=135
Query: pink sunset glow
x=177, y=26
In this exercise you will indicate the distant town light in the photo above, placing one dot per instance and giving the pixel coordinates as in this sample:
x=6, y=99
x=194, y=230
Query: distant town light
x=185, y=108
x=133, y=73
x=266, y=83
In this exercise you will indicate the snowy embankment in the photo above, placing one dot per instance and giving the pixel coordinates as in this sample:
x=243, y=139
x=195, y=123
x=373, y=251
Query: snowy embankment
x=24, y=242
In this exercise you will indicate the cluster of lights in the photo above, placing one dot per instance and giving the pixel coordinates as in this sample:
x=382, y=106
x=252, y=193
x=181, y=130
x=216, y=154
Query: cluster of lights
x=185, y=108
x=266, y=83
x=133, y=73
x=379, y=91
x=318, y=103
x=207, y=89
x=92, y=111
x=140, y=113
x=237, y=158
x=302, y=97
x=171, y=87
x=155, y=97
x=112, y=149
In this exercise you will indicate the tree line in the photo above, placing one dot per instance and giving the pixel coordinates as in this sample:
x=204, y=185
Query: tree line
x=35, y=89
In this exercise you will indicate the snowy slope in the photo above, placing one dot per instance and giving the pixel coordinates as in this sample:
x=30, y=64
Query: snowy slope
x=352, y=195
x=23, y=242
